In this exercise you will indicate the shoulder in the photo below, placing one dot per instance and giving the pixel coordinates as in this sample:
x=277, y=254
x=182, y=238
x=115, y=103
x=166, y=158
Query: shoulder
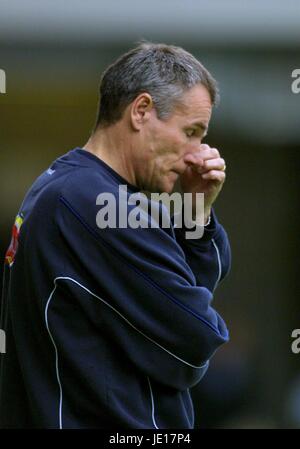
x=86, y=183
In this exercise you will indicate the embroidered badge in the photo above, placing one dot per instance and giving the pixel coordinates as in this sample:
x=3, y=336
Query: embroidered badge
x=12, y=249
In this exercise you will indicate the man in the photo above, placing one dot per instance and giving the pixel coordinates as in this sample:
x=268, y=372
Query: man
x=109, y=327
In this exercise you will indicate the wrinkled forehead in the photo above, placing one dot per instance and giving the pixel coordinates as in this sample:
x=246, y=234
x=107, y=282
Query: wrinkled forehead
x=195, y=104
x=197, y=97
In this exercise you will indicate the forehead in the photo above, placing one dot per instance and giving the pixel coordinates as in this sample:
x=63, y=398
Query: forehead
x=195, y=105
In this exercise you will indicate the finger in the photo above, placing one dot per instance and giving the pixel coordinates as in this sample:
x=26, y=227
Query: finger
x=210, y=164
x=213, y=164
x=204, y=146
x=193, y=159
x=214, y=175
x=207, y=153
x=197, y=160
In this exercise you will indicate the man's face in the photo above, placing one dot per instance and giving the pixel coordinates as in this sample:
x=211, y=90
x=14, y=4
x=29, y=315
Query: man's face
x=166, y=143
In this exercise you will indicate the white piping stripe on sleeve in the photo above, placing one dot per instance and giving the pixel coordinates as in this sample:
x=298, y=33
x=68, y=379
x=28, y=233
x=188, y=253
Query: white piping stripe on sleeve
x=219, y=263
x=56, y=358
x=67, y=278
x=152, y=405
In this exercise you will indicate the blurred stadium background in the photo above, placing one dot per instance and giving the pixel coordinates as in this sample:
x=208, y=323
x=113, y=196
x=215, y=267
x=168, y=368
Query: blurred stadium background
x=53, y=54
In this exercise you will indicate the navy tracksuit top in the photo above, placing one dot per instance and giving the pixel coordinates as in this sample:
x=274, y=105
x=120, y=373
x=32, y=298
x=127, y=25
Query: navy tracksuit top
x=105, y=328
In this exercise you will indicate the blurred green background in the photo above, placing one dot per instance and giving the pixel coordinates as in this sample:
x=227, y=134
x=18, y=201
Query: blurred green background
x=53, y=54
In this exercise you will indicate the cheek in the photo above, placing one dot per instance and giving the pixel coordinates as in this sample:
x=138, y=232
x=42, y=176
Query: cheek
x=193, y=147
x=177, y=144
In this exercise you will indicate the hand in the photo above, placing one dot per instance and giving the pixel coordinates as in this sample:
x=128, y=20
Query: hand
x=205, y=174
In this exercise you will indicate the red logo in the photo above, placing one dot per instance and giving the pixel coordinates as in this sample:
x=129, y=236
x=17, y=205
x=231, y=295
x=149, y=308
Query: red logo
x=12, y=250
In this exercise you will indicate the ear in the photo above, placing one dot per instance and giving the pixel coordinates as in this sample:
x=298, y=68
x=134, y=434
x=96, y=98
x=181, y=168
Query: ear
x=141, y=110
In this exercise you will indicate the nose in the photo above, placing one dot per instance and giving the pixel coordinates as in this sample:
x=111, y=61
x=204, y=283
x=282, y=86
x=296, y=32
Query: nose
x=191, y=156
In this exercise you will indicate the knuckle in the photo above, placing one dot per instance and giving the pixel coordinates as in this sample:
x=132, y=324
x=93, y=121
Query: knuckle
x=215, y=152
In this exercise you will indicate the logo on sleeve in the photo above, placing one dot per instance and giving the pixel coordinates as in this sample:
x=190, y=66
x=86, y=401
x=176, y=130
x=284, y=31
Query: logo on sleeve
x=12, y=250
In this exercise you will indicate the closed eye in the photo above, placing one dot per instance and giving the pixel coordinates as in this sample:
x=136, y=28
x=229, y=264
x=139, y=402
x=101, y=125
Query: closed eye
x=190, y=132
x=195, y=132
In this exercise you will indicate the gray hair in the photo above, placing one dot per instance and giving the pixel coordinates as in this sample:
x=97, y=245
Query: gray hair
x=163, y=71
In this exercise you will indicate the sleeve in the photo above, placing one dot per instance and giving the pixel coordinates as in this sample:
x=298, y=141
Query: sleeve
x=149, y=300
x=209, y=257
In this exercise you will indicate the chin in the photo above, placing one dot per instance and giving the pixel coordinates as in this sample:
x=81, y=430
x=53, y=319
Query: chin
x=165, y=187
x=170, y=189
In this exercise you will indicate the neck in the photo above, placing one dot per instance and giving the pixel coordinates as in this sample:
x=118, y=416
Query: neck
x=112, y=147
